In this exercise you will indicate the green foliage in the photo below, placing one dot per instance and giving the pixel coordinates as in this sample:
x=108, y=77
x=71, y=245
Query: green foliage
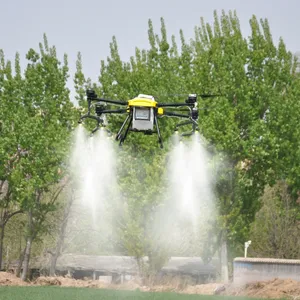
x=275, y=231
x=139, y=176
x=251, y=129
x=37, y=118
x=46, y=124
x=250, y=124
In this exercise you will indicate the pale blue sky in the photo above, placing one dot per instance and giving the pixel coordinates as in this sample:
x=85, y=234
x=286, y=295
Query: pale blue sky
x=88, y=26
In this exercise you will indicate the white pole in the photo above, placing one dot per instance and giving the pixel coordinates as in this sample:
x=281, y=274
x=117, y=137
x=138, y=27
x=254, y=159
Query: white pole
x=247, y=244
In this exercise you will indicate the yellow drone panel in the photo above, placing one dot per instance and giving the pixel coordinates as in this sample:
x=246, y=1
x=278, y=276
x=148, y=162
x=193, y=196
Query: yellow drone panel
x=143, y=101
x=143, y=112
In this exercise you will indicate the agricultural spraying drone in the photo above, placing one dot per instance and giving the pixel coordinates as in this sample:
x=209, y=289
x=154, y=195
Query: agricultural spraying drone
x=142, y=113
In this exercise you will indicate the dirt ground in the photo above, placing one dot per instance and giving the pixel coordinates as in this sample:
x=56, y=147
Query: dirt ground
x=277, y=288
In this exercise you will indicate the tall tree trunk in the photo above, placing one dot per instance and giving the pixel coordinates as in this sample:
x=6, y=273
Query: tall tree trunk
x=20, y=264
x=58, y=249
x=26, y=258
x=62, y=234
x=5, y=217
x=28, y=246
x=1, y=245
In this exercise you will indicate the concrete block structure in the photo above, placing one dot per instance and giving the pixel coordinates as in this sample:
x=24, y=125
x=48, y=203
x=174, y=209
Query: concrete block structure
x=247, y=270
x=118, y=269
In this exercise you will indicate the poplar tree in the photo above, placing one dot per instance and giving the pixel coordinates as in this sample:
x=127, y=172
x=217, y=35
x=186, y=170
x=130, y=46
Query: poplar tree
x=11, y=117
x=47, y=120
x=250, y=123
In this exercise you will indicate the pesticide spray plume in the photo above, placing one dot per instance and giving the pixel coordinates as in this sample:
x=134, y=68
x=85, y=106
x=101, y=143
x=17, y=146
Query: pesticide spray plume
x=185, y=206
x=190, y=202
x=93, y=169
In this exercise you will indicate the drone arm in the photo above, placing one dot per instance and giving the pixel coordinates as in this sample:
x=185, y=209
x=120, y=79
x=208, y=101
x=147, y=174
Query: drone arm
x=175, y=104
x=172, y=114
x=114, y=111
x=117, y=102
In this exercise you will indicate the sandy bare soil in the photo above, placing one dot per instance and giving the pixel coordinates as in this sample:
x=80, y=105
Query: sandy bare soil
x=10, y=279
x=277, y=288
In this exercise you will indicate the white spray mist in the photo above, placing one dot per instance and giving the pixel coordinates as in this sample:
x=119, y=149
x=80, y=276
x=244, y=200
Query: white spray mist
x=190, y=196
x=93, y=166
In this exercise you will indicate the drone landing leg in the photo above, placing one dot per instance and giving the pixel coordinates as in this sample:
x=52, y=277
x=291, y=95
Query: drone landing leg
x=121, y=129
x=126, y=132
x=158, y=132
x=195, y=127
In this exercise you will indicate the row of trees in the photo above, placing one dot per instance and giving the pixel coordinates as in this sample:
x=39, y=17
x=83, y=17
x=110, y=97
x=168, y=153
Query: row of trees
x=36, y=119
x=253, y=125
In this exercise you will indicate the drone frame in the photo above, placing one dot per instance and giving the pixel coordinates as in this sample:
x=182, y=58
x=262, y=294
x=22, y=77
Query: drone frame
x=142, y=102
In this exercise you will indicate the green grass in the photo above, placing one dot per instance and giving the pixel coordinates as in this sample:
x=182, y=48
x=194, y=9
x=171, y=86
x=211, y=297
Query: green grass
x=60, y=293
